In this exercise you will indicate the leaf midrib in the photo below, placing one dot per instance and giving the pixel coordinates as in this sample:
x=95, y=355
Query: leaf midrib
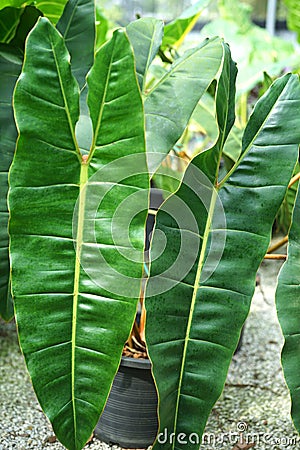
x=193, y=302
x=220, y=142
x=79, y=237
x=98, y=125
x=79, y=242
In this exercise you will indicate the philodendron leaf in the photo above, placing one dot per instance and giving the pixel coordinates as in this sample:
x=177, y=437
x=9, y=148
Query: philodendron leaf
x=171, y=102
x=76, y=262
x=77, y=25
x=287, y=303
x=52, y=9
x=10, y=68
x=145, y=36
x=195, y=311
x=177, y=30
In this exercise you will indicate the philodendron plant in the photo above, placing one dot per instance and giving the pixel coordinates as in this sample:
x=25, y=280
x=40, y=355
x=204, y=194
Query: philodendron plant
x=78, y=203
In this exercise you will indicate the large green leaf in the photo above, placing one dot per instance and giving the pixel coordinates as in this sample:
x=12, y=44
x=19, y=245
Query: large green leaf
x=288, y=307
x=195, y=312
x=52, y=9
x=177, y=30
x=10, y=68
x=75, y=275
x=171, y=102
x=145, y=36
x=77, y=25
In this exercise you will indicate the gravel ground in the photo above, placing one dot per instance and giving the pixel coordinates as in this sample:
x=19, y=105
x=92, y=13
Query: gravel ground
x=254, y=409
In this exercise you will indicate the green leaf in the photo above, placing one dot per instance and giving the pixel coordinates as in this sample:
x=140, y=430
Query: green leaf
x=233, y=145
x=74, y=24
x=176, y=31
x=145, y=36
x=77, y=25
x=205, y=118
x=102, y=27
x=287, y=303
x=284, y=215
x=52, y=9
x=10, y=68
x=75, y=276
x=195, y=313
x=9, y=19
x=27, y=21
x=171, y=102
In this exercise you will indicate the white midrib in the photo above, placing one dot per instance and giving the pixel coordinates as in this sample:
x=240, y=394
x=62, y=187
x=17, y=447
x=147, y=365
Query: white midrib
x=79, y=237
x=193, y=302
x=79, y=241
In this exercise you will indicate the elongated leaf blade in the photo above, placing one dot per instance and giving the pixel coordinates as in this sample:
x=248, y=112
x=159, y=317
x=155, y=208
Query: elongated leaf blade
x=10, y=68
x=167, y=115
x=11, y=62
x=177, y=30
x=192, y=343
x=145, y=36
x=77, y=25
x=72, y=323
x=287, y=303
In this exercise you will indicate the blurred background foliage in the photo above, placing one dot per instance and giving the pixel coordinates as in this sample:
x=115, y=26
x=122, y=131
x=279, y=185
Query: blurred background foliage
x=123, y=11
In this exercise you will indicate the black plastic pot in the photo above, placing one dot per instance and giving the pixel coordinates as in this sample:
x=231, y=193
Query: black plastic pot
x=129, y=418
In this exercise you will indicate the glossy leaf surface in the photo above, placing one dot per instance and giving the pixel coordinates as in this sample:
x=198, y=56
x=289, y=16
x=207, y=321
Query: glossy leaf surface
x=27, y=21
x=9, y=19
x=66, y=263
x=10, y=68
x=77, y=25
x=288, y=307
x=52, y=9
x=188, y=78
x=193, y=324
x=145, y=36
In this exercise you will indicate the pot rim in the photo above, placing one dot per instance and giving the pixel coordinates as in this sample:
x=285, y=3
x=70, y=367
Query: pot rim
x=136, y=363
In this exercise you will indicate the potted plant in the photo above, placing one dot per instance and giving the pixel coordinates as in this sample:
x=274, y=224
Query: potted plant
x=120, y=146
x=76, y=275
